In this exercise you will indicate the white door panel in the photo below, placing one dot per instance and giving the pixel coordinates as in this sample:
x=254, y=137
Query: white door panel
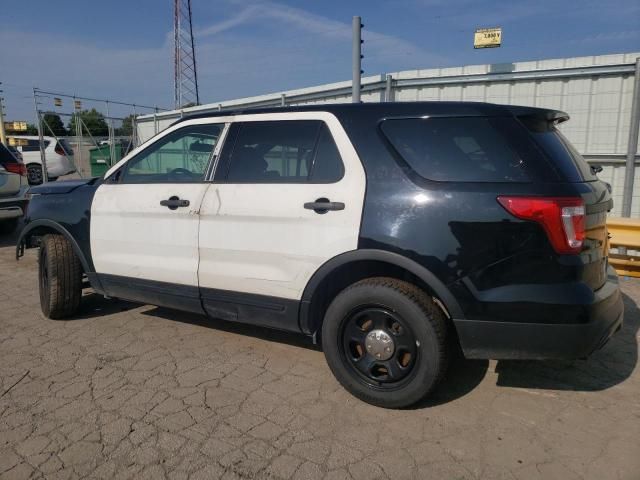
x=259, y=238
x=132, y=235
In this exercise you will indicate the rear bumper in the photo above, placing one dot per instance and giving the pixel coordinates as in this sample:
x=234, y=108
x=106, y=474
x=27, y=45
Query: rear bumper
x=517, y=340
x=15, y=206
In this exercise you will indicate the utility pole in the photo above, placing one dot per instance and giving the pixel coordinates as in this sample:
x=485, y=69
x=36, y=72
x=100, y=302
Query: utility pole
x=43, y=159
x=3, y=136
x=356, y=59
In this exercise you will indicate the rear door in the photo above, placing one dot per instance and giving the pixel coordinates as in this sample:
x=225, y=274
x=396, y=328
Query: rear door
x=287, y=196
x=145, y=217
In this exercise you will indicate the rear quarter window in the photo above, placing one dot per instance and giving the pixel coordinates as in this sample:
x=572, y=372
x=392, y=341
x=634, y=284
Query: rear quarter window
x=464, y=149
x=572, y=166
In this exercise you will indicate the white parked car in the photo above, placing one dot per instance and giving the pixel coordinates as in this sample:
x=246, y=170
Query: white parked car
x=58, y=153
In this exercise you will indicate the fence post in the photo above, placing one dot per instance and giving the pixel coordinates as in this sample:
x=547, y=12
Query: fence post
x=632, y=145
x=356, y=59
x=388, y=88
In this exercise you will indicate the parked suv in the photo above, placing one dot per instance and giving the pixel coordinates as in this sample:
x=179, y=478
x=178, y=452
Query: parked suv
x=58, y=154
x=389, y=232
x=13, y=190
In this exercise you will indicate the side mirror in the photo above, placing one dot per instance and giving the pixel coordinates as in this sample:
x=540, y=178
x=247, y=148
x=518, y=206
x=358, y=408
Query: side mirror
x=595, y=169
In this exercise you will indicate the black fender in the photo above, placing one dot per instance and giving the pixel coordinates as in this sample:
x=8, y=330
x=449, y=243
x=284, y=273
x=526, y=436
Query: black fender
x=439, y=288
x=50, y=224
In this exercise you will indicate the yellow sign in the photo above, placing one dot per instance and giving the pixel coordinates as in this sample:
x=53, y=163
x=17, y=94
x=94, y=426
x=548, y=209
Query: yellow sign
x=487, y=37
x=18, y=142
x=15, y=126
x=57, y=101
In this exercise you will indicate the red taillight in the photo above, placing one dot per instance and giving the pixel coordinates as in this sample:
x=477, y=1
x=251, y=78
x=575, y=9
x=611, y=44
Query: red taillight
x=18, y=168
x=59, y=150
x=561, y=217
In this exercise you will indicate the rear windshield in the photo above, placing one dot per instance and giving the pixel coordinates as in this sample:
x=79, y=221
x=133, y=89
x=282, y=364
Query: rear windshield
x=573, y=167
x=467, y=149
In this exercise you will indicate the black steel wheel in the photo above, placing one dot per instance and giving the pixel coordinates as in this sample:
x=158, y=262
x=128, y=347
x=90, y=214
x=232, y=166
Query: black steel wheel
x=385, y=341
x=379, y=345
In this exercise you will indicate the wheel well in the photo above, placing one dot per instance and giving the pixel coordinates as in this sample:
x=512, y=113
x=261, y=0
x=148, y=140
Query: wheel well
x=32, y=238
x=349, y=273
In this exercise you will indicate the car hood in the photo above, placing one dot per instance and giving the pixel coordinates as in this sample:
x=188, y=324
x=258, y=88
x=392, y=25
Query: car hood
x=61, y=186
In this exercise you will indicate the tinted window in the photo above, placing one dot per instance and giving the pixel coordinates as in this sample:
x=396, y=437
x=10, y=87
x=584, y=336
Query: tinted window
x=181, y=156
x=294, y=151
x=327, y=165
x=463, y=149
x=34, y=145
x=573, y=167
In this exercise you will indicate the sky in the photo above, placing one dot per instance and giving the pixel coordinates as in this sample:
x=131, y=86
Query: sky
x=122, y=50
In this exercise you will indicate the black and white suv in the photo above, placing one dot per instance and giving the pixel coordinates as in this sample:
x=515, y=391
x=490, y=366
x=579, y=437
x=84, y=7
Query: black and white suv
x=393, y=232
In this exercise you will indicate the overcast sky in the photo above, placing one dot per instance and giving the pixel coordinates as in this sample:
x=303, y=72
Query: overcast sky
x=122, y=50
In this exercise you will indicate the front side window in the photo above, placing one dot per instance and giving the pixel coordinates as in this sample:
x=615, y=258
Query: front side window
x=179, y=157
x=288, y=151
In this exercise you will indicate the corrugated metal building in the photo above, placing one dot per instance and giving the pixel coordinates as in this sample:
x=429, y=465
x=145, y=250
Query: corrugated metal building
x=596, y=91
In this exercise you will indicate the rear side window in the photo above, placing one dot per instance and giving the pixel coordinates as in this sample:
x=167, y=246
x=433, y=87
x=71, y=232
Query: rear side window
x=287, y=151
x=462, y=149
x=34, y=145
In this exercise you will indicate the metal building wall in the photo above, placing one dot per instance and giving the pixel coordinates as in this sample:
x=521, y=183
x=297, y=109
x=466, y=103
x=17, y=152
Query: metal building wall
x=596, y=91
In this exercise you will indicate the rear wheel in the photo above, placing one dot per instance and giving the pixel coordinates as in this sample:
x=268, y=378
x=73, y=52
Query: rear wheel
x=385, y=341
x=60, y=277
x=34, y=174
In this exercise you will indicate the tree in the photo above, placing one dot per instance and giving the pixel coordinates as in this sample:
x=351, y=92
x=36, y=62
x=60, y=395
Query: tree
x=52, y=123
x=31, y=129
x=126, y=130
x=92, y=120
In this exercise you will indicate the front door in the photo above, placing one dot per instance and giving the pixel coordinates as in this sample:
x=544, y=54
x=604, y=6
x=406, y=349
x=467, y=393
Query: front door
x=145, y=216
x=287, y=196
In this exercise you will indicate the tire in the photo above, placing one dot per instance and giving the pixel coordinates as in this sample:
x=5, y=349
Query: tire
x=362, y=320
x=34, y=174
x=60, y=277
x=8, y=226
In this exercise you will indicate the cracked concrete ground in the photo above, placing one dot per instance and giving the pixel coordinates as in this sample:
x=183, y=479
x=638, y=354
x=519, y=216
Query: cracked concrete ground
x=129, y=391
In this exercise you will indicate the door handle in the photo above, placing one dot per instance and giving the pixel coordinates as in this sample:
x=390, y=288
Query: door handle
x=174, y=202
x=323, y=205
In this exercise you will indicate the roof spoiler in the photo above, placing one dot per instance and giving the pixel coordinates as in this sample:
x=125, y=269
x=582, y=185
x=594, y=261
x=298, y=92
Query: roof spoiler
x=552, y=116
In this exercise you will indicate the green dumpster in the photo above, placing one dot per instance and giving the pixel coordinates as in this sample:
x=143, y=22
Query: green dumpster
x=100, y=158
